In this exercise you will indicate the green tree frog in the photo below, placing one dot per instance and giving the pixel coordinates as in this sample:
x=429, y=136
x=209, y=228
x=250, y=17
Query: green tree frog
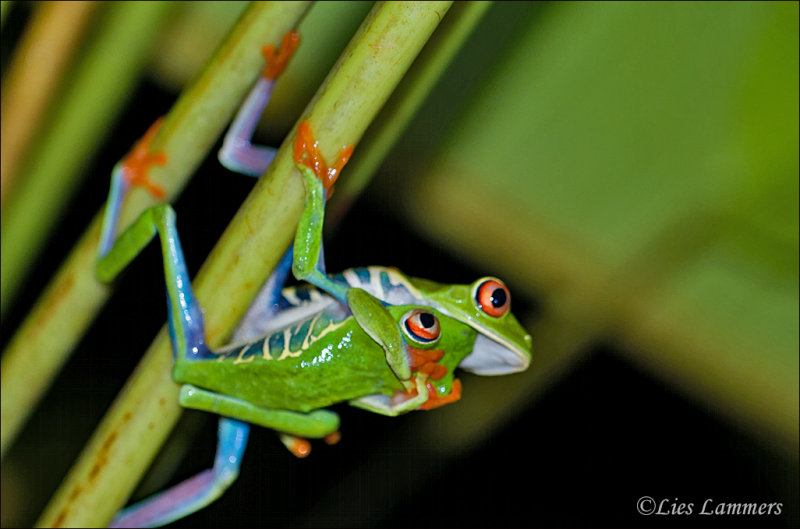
x=369, y=336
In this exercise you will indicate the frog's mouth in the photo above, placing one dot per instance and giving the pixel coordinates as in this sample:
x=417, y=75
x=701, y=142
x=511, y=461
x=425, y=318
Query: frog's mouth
x=489, y=357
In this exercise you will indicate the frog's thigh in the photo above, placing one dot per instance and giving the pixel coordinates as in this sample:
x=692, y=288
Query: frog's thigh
x=314, y=424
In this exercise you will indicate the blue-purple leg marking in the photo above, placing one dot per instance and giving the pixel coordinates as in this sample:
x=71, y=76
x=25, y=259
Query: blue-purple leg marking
x=319, y=279
x=116, y=193
x=196, y=492
x=265, y=304
x=186, y=326
x=238, y=153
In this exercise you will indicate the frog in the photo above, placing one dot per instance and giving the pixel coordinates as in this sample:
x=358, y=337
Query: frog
x=369, y=336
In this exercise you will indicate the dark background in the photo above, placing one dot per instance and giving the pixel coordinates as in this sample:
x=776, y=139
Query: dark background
x=581, y=455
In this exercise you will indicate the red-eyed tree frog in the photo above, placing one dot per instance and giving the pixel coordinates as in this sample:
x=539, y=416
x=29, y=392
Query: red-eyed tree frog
x=369, y=336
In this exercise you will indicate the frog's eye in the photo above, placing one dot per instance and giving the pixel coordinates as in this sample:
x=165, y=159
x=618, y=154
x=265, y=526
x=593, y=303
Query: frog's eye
x=421, y=326
x=492, y=297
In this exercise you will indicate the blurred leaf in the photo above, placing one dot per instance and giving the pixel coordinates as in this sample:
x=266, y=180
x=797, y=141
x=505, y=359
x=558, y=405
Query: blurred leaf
x=644, y=155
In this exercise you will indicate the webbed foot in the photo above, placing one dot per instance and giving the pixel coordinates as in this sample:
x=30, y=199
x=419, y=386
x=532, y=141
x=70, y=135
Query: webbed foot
x=277, y=61
x=137, y=163
x=306, y=153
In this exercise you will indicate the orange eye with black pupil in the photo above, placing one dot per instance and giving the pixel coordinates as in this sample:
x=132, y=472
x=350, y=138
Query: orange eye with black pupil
x=493, y=298
x=422, y=326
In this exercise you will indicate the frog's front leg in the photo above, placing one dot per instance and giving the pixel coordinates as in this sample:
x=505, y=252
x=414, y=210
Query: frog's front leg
x=385, y=405
x=238, y=153
x=420, y=394
x=379, y=325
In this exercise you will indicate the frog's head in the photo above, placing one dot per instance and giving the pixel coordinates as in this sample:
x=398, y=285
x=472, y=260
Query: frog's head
x=502, y=345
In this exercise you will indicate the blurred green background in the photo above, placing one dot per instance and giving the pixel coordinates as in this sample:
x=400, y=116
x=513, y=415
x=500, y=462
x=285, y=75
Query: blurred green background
x=630, y=169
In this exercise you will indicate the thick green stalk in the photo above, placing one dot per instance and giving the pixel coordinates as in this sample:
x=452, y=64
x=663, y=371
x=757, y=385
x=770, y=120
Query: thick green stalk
x=100, y=85
x=193, y=125
x=401, y=108
x=141, y=417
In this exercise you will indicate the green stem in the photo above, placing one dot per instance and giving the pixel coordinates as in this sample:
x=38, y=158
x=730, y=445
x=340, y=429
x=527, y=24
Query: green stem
x=404, y=103
x=74, y=297
x=99, y=88
x=55, y=31
x=143, y=414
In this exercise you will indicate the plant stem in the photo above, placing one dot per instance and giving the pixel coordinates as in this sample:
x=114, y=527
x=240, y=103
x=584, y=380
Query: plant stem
x=74, y=297
x=404, y=103
x=137, y=424
x=97, y=91
x=53, y=35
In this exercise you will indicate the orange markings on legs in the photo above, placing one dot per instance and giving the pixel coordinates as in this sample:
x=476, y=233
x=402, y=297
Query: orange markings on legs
x=298, y=446
x=333, y=438
x=306, y=152
x=138, y=161
x=434, y=400
x=276, y=62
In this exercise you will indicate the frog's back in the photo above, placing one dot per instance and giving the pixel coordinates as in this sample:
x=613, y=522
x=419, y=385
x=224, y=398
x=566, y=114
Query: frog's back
x=317, y=361
x=385, y=283
x=297, y=303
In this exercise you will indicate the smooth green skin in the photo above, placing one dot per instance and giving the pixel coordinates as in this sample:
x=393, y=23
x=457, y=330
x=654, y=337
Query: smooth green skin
x=345, y=365
x=458, y=301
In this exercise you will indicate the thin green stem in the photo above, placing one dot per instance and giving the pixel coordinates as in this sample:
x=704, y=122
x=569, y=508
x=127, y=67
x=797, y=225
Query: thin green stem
x=100, y=85
x=74, y=297
x=55, y=31
x=139, y=420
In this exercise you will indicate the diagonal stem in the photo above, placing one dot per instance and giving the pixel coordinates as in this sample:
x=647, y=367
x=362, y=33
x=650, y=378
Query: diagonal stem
x=140, y=419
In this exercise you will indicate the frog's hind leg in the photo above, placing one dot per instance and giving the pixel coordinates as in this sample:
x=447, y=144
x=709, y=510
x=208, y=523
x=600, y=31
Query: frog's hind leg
x=186, y=327
x=314, y=424
x=196, y=492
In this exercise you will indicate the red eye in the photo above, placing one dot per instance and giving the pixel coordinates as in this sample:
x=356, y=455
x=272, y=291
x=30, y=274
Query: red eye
x=493, y=298
x=422, y=326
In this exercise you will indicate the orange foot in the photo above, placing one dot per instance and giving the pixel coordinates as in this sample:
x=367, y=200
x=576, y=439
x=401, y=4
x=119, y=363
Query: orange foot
x=138, y=161
x=276, y=62
x=306, y=152
x=333, y=438
x=297, y=445
x=434, y=400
